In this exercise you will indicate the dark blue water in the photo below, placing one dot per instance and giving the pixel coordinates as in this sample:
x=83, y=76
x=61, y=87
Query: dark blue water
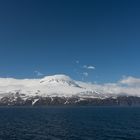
x=70, y=123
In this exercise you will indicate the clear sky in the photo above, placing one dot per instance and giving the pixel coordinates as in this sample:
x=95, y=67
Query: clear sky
x=45, y=37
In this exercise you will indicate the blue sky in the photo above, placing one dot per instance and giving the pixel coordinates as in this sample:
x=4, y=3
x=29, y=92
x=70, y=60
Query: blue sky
x=49, y=36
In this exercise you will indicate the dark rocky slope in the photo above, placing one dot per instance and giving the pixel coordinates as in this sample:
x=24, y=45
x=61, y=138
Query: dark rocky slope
x=16, y=100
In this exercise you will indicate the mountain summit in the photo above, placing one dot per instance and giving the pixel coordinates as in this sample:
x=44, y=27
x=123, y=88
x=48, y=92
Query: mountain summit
x=60, y=79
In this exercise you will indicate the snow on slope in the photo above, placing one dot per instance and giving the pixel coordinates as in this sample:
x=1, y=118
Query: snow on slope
x=61, y=85
x=57, y=85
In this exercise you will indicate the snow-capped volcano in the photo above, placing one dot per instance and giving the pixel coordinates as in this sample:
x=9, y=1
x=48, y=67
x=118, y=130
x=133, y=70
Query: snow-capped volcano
x=61, y=86
x=59, y=80
x=56, y=85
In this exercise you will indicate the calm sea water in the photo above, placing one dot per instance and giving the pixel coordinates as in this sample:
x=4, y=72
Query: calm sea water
x=70, y=123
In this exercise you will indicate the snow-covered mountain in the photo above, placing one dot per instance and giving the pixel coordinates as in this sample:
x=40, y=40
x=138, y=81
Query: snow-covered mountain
x=52, y=89
x=56, y=85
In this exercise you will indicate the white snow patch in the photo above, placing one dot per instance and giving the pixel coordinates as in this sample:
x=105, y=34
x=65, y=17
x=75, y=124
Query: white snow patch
x=35, y=100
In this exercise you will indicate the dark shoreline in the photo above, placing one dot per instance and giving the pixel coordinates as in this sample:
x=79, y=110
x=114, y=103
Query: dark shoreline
x=70, y=101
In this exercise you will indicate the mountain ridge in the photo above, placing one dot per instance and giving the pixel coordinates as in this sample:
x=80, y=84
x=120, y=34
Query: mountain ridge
x=57, y=89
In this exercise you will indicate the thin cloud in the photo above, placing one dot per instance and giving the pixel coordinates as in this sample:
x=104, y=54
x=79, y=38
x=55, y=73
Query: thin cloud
x=90, y=67
x=85, y=74
x=77, y=61
x=130, y=81
x=37, y=73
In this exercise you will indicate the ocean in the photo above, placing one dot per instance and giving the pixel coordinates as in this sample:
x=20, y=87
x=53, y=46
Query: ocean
x=70, y=123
